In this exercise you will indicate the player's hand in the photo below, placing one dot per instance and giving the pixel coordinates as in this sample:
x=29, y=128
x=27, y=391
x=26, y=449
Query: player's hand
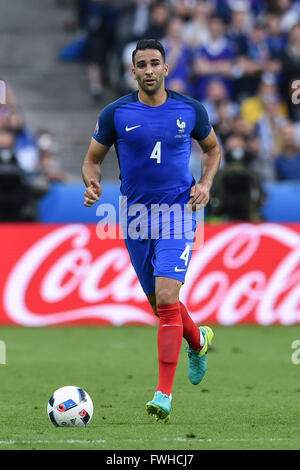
x=92, y=193
x=199, y=196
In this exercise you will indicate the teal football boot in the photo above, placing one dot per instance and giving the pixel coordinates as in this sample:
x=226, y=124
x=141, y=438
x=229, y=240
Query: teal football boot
x=160, y=406
x=197, y=359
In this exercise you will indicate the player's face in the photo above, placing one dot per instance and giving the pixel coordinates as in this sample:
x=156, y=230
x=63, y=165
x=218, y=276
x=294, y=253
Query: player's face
x=150, y=70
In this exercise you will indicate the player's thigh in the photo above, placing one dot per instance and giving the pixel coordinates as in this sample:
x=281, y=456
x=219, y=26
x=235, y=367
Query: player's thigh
x=141, y=253
x=171, y=258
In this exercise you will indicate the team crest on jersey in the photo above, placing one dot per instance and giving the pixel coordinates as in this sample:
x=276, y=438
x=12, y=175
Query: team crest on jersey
x=181, y=125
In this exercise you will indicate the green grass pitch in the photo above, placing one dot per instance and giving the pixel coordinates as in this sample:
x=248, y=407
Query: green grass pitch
x=250, y=398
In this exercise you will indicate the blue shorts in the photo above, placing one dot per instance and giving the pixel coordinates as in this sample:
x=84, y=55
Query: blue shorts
x=162, y=256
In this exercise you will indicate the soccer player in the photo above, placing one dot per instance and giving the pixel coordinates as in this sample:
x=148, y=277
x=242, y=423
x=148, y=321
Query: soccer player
x=151, y=130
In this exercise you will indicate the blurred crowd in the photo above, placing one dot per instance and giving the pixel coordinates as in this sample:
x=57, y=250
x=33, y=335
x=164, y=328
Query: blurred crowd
x=240, y=58
x=28, y=163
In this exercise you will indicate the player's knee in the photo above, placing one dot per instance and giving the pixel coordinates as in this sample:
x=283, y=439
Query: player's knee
x=166, y=296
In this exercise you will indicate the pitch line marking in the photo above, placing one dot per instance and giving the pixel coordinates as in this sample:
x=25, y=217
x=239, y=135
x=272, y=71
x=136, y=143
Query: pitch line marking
x=103, y=441
x=60, y=441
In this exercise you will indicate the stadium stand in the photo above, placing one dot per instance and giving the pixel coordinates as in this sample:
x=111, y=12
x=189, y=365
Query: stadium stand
x=240, y=57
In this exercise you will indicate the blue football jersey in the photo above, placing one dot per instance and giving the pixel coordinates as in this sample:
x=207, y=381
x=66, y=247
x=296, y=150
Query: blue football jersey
x=153, y=145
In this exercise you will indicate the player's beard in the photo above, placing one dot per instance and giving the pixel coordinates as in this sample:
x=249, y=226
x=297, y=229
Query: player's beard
x=152, y=89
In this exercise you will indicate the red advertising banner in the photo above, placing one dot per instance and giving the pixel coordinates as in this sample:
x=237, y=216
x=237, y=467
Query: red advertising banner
x=54, y=275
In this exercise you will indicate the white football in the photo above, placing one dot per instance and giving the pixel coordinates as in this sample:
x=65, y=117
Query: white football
x=70, y=406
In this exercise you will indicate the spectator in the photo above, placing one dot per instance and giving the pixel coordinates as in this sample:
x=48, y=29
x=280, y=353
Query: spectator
x=177, y=56
x=184, y=8
x=127, y=82
x=289, y=11
x=287, y=164
x=25, y=148
x=237, y=194
x=268, y=130
x=214, y=60
x=196, y=33
x=4, y=116
x=26, y=153
x=259, y=58
x=100, y=30
x=215, y=93
x=276, y=39
x=240, y=126
x=224, y=7
x=239, y=27
x=236, y=150
x=253, y=107
x=132, y=22
x=226, y=111
x=258, y=49
x=76, y=19
x=159, y=18
x=48, y=164
x=17, y=203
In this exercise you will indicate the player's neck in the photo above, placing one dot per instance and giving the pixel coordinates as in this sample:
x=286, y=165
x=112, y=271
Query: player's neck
x=159, y=98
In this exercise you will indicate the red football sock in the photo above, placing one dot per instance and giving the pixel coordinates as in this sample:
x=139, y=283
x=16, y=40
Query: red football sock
x=169, y=340
x=191, y=331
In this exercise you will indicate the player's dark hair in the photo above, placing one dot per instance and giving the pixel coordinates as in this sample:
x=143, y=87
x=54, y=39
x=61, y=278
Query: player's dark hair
x=144, y=44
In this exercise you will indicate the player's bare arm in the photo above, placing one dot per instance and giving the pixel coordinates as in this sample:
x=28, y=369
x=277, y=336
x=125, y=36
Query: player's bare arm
x=91, y=172
x=199, y=195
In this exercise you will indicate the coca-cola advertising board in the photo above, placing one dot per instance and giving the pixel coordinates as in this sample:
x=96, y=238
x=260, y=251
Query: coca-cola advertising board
x=63, y=274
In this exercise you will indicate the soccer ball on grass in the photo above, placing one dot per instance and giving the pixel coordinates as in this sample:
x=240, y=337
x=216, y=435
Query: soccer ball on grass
x=70, y=406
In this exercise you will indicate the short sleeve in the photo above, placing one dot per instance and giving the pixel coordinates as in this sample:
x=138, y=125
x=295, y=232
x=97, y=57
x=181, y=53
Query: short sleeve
x=202, y=125
x=105, y=132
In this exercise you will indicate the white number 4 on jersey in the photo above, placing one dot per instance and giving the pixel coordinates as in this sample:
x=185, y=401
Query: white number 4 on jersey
x=185, y=254
x=156, y=152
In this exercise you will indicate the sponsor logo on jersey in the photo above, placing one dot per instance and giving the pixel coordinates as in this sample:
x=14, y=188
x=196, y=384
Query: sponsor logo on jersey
x=177, y=270
x=127, y=128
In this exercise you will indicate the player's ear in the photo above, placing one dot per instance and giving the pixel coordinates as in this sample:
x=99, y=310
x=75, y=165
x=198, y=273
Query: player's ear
x=133, y=73
x=166, y=70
